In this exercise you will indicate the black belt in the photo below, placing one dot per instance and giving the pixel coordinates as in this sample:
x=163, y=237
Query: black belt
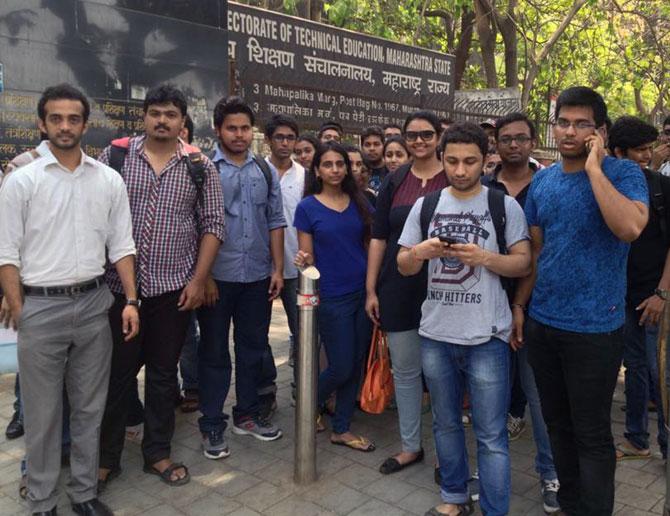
x=69, y=290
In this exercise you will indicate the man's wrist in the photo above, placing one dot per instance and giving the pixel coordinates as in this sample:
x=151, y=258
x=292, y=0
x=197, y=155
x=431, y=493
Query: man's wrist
x=662, y=293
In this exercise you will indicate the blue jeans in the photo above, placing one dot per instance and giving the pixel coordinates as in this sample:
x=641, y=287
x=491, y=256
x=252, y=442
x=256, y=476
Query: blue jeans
x=544, y=462
x=188, y=362
x=247, y=305
x=345, y=332
x=639, y=358
x=484, y=370
x=405, y=349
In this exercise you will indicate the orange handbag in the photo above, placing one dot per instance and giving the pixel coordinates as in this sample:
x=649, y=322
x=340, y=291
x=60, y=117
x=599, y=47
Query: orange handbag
x=377, y=388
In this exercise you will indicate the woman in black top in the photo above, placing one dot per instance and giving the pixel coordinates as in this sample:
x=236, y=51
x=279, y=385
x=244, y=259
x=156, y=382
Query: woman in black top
x=394, y=301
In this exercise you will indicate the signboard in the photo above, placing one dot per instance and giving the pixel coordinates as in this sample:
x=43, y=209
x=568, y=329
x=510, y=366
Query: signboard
x=492, y=102
x=315, y=72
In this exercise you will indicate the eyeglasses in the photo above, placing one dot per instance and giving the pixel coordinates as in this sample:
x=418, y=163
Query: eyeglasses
x=412, y=136
x=580, y=125
x=284, y=137
x=521, y=139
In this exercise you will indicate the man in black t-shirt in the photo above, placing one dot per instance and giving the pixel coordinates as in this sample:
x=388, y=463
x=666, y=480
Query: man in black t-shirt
x=648, y=288
x=372, y=145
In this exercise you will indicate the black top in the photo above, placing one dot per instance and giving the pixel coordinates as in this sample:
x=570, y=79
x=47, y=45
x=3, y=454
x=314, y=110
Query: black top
x=400, y=297
x=647, y=254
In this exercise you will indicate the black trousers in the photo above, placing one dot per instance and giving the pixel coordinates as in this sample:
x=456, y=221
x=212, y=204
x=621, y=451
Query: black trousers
x=576, y=374
x=157, y=347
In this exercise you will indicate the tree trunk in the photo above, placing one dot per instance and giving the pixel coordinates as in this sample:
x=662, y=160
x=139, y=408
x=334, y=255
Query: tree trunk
x=463, y=49
x=507, y=26
x=487, y=42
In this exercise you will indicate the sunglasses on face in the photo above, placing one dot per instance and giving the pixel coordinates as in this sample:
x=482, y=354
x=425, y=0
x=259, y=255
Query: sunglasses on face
x=412, y=136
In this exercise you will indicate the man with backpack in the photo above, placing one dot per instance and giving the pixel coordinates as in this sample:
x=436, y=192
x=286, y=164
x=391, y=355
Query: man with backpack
x=177, y=212
x=648, y=278
x=515, y=140
x=248, y=275
x=471, y=236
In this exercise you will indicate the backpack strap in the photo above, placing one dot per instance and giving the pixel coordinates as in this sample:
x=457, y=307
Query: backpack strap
x=496, y=200
x=658, y=202
x=195, y=163
x=399, y=176
x=428, y=210
x=265, y=168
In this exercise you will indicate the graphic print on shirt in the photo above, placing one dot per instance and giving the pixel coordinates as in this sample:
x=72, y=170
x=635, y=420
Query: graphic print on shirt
x=450, y=279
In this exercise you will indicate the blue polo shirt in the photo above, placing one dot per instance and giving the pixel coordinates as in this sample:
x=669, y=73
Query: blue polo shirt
x=251, y=213
x=581, y=270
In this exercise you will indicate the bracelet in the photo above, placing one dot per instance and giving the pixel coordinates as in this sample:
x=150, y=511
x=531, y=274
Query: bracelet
x=519, y=305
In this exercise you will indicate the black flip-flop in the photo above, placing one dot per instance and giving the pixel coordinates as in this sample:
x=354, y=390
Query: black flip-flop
x=166, y=475
x=391, y=465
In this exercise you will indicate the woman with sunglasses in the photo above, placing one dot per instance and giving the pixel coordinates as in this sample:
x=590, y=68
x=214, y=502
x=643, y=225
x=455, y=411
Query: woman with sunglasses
x=333, y=223
x=385, y=286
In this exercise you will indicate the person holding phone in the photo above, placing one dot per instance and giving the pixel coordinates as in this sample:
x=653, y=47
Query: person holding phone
x=583, y=212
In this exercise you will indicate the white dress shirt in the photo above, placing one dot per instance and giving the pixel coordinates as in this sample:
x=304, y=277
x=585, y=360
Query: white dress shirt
x=56, y=224
x=292, y=185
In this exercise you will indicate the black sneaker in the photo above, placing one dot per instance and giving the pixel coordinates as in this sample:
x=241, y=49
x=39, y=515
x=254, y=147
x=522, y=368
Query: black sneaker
x=214, y=445
x=15, y=427
x=549, y=492
x=473, y=486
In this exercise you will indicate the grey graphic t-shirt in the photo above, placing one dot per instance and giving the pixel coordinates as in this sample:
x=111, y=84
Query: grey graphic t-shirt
x=465, y=305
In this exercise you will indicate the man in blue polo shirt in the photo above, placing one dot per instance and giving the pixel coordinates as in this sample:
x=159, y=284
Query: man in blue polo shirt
x=247, y=276
x=582, y=213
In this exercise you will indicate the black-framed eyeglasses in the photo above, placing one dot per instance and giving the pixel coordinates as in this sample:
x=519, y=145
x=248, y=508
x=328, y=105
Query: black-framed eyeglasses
x=284, y=137
x=412, y=136
x=580, y=125
x=521, y=139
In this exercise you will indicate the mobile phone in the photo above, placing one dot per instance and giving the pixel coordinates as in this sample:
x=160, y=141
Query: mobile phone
x=449, y=240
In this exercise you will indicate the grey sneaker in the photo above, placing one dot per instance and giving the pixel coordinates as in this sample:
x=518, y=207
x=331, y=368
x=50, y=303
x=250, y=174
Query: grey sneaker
x=260, y=428
x=214, y=445
x=515, y=427
x=549, y=491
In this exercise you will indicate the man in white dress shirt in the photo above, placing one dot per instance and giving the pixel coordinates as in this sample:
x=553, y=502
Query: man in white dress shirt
x=62, y=214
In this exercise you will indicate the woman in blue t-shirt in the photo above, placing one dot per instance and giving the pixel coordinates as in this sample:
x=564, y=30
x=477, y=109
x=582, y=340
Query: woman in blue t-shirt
x=333, y=223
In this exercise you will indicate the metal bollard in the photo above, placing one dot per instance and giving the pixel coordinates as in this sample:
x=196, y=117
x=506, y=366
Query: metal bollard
x=304, y=465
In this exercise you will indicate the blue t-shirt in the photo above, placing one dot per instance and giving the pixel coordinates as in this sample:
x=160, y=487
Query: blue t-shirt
x=581, y=270
x=338, y=245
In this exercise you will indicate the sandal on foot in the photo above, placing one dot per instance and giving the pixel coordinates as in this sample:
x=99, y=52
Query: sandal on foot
x=23, y=487
x=626, y=451
x=190, y=402
x=113, y=473
x=464, y=509
x=166, y=475
x=320, y=425
x=391, y=465
x=359, y=444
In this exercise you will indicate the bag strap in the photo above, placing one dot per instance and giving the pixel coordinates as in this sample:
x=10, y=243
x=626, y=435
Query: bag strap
x=265, y=168
x=117, y=157
x=496, y=200
x=399, y=176
x=658, y=202
x=197, y=170
x=428, y=207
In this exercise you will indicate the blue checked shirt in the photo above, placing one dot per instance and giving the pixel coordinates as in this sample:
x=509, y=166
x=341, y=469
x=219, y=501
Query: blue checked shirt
x=251, y=214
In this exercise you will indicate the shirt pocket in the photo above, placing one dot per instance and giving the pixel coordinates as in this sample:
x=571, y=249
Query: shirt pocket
x=230, y=183
x=259, y=191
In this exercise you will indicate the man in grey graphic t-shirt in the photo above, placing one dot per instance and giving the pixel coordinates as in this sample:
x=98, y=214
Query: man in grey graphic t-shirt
x=466, y=319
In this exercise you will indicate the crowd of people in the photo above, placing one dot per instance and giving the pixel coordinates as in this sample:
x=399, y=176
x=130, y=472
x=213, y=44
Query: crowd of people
x=498, y=286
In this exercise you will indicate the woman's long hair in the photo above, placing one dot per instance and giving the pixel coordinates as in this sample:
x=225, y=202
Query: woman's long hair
x=314, y=185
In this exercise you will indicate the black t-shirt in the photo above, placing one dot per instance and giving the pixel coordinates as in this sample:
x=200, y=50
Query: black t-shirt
x=400, y=297
x=647, y=254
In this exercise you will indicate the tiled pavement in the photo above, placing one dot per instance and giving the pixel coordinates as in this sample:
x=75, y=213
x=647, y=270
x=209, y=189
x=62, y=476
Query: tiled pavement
x=257, y=477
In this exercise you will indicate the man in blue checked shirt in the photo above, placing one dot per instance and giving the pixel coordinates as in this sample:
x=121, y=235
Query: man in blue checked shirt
x=247, y=275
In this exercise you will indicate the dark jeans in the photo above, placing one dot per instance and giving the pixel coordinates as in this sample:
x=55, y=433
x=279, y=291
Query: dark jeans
x=157, y=347
x=247, y=305
x=576, y=374
x=345, y=331
x=517, y=404
x=642, y=381
x=188, y=363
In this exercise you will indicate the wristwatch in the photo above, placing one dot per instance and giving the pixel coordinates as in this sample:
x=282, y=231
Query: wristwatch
x=134, y=302
x=663, y=294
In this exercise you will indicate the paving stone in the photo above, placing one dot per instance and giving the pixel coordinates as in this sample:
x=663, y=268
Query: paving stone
x=129, y=501
x=419, y=501
x=335, y=496
x=357, y=476
x=163, y=510
x=377, y=508
x=635, y=477
x=263, y=495
x=635, y=497
x=10, y=507
x=389, y=489
x=296, y=506
x=213, y=503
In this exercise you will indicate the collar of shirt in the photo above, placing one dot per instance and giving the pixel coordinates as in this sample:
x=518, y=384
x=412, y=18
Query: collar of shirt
x=50, y=160
x=293, y=170
x=219, y=155
x=137, y=145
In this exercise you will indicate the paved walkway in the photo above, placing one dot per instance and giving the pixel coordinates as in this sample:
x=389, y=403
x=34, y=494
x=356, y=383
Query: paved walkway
x=257, y=477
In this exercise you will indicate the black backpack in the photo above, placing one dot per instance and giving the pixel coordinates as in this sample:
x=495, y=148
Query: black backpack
x=194, y=161
x=658, y=202
x=496, y=201
x=260, y=162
